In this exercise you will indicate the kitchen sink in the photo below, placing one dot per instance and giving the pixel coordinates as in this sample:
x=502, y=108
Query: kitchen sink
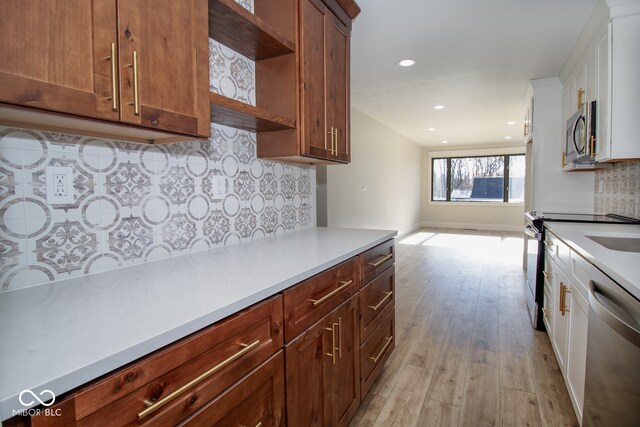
x=624, y=244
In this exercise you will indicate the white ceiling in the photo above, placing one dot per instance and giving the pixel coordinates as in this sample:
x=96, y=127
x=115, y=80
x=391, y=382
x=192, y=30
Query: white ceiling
x=475, y=57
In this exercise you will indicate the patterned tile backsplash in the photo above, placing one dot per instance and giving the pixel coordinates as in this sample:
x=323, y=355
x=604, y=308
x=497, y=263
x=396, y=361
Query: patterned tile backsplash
x=136, y=203
x=617, y=190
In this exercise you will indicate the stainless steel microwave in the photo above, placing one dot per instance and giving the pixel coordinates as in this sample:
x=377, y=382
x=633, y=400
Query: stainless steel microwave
x=581, y=135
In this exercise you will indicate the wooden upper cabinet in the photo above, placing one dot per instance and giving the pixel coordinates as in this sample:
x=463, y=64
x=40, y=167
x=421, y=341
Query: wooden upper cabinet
x=323, y=120
x=56, y=55
x=164, y=64
x=337, y=101
x=76, y=58
x=325, y=82
x=315, y=134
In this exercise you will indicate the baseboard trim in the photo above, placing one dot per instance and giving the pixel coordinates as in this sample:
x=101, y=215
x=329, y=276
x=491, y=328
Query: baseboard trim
x=462, y=225
x=411, y=229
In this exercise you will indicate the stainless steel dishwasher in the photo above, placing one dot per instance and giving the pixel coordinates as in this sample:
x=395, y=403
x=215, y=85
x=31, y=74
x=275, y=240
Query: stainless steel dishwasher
x=612, y=383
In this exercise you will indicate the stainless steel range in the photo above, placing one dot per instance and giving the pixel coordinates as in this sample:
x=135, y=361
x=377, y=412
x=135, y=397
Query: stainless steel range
x=534, y=245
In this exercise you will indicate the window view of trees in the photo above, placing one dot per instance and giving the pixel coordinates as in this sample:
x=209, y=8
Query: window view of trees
x=481, y=179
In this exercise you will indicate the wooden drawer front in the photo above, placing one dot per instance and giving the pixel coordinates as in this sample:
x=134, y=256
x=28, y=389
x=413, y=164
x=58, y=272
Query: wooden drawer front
x=309, y=301
x=226, y=351
x=374, y=298
x=376, y=350
x=376, y=260
x=257, y=399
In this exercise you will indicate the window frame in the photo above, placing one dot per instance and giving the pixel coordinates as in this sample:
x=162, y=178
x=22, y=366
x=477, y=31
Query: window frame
x=506, y=176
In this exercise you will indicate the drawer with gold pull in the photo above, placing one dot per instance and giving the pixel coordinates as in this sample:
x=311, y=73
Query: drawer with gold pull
x=376, y=260
x=169, y=385
x=376, y=350
x=257, y=400
x=374, y=298
x=309, y=301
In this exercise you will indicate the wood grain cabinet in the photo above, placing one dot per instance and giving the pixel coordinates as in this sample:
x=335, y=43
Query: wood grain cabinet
x=322, y=134
x=323, y=387
x=376, y=311
x=168, y=386
x=256, y=400
x=138, y=63
x=241, y=371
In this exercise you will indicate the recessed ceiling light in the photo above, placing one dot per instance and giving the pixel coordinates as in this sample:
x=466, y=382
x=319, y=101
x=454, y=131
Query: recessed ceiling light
x=406, y=63
x=507, y=137
x=439, y=107
x=431, y=129
x=511, y=123
x=444, y=142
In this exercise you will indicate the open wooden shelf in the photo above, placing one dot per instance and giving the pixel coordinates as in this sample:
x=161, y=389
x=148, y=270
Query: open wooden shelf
x=229, y=112
x=240, y=30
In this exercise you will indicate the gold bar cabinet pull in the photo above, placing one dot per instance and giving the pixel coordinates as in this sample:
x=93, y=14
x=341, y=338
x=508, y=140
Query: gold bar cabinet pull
x=330, y=133
x=154, y=406
x=136, y=89
x=340, y=337
x=332, y=355
x=384, y=348
x=114, y=78
x=317, y=302
x=382, y=261
x=377, y=306
x=593, y=146
x=547, y=274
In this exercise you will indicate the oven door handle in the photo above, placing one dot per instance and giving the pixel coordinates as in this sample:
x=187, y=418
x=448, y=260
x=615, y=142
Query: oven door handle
x=531, y=232
x=626, y=330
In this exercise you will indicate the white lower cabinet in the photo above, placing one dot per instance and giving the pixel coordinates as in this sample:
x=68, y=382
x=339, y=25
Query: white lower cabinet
x=566, y=318
x=560, y=338
x=577, y=357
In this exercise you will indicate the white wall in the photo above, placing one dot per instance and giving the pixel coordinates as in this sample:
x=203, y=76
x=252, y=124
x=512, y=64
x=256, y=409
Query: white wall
x=381, y=188
x=553, y=189
x=480, y=216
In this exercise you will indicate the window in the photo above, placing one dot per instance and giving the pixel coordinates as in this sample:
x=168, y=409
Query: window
x=478, y=179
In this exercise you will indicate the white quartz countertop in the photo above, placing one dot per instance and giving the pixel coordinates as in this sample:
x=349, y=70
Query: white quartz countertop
x=61, y=335
x=623, y=267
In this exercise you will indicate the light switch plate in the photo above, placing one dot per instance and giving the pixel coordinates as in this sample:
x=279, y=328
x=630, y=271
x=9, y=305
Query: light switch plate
x=219, y=187
x=59, y=185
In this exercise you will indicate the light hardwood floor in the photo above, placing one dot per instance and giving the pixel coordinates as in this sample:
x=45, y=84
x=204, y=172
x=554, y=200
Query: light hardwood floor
x=466, y=354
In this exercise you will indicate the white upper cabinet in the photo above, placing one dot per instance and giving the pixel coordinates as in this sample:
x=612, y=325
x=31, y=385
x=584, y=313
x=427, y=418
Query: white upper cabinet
x=624, y=50
x=603, y=146
x=607, y=68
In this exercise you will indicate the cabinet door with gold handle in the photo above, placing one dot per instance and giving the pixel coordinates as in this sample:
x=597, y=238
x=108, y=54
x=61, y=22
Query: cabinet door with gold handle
x=167, y=82
x=52, y=56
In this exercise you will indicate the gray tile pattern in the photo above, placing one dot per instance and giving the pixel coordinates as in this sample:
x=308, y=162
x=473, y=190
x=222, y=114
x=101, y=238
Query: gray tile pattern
x=136, y=203
x=617, y=190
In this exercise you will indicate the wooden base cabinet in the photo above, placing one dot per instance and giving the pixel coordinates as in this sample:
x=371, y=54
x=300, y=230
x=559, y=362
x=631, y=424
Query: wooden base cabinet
x=323, y=388
x=256, y=400
x=241, y=371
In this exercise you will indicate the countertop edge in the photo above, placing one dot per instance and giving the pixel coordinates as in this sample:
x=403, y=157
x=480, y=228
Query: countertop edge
x=596, y=262
x=110, y=363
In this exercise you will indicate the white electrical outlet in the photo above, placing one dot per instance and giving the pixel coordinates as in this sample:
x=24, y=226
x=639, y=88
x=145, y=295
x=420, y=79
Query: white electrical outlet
x=59, y=185
x=219, y=187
